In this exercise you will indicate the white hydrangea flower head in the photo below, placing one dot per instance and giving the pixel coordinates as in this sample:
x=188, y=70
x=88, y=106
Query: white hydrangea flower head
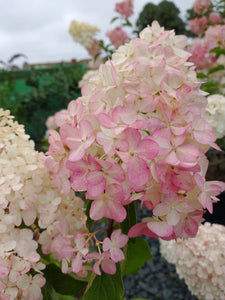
x=28, y=194
x=83, y=33
x=215, y=114
x=200, y=261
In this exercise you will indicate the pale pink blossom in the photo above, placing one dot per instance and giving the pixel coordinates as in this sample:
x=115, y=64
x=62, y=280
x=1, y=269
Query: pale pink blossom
x=125, y=8
x=31, y=286
x=102, y=260
x=114, y=243
x=215, y=18
x=117, y=37
x=109, y=204
x=94, y=49
x=143, y=137
x=201, y=6
x=198, y=25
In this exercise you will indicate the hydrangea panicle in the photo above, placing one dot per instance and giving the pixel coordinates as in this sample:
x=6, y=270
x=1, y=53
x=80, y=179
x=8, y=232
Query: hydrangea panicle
x=146, y=111
x=200, y=261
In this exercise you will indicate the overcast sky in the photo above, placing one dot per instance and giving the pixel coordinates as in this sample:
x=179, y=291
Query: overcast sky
x=39, y=28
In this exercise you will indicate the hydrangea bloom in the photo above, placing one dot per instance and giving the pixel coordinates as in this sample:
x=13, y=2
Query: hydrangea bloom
x=83, y=33
x=125, y=8
x=138, y=132
x=200, y=261
x=28, y=195
x=86, y=78
x=117, y=37
x=201, y=6
x=215, y=18
x=200, y=49
x=198, y=25
x=215, y=114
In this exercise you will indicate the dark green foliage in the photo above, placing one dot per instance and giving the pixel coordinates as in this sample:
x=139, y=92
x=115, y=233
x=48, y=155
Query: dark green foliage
x=131, y=218
x=166, y=13
x=32, y=96
x=104, y=287
x=65, y=284
x=137, y=252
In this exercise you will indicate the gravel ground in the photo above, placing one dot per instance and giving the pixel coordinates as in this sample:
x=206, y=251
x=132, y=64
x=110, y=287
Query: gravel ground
x=157, y=280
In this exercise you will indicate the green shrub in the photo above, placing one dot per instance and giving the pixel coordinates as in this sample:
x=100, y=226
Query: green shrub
x=32, y=96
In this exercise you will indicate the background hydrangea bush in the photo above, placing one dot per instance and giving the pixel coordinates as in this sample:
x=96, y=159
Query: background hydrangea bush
x=200, y=261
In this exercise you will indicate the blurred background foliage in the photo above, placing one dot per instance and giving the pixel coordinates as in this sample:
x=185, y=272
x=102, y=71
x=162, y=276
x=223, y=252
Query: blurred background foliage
x=34, y=95
x=166, y=13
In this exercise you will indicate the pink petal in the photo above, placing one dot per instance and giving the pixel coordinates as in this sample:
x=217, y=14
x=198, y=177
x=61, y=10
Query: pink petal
x=106, y=121
x=161, y=229
x=86, y=129
x=187, y=153
x=172, y=159
x=117, y=254
x=77, y=264
x=77, y=154
x=78, y=183
x=147, y=149
x=173, y=217
x=97, y=210
x=138, y=171
x=67, y=251
x=118, y=238
x=191, y=227
x=107, y=243
x=162, y=209
x=4, y=271
x=133, y=136
x=141, y=228
x=96, y=183
x=179, y=130
x=116, y=211
x=96, y=268
x=108, y=266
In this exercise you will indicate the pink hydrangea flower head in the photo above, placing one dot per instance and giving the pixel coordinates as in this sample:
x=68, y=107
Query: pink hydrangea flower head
x=142, y=135
x=215, y=18
x=201, y=6
x=125, y=8
x=94, y=49
x=117, y=37
x=198, y=25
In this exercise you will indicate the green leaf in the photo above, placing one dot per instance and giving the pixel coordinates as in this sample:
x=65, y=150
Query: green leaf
x=49, y=293
x=114, y=19
x=137, y=252
x=65, y=284
x=218, y=50
x=66, y=297
x=201, y=75
x=89, y=222
x=131, y=218
x=104, y=287
x=127, y=23
x=218, y=68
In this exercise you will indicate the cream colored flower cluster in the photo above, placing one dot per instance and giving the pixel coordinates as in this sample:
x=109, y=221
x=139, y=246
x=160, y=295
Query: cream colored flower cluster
x=215, y=114
x=200, y=261
x=83, y=33
x=27, y=196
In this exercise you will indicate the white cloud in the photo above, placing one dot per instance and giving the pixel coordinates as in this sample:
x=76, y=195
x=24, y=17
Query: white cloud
x=39, y=28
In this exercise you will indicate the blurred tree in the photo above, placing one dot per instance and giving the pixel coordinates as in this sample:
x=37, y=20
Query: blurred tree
x=166, y=13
